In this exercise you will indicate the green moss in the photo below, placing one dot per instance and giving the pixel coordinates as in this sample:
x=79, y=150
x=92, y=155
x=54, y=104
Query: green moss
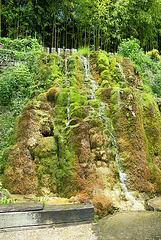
x=99, y=93
x=102, y=59
x=101, y=67
x=49, y=73
x=46, y=158
x=46, y=147
x=152, y=124
x=77, y=96
x=79, y=112
x=94, y=122
x=115, y=103
x=105, y=75
x=42, y=97
x=105, y=84
x=62, y=98
x=94, y=103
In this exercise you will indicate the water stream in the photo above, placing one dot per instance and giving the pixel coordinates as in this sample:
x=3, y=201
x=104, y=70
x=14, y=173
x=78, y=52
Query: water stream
x=121, y=70
x=66, y=69
x=68, y=116
x=67, y=84
x=92, y=85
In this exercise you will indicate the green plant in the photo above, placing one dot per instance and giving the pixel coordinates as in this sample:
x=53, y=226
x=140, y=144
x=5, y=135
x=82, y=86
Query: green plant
x=129, y=48
x=154, y=55
x=17, y=83
x=44, y=199
x=96, y=218
x=7, y=201
x=83, y=51
x=148, y=65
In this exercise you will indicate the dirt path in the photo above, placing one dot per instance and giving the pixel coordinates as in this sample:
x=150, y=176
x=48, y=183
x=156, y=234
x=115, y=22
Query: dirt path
x=76, y=232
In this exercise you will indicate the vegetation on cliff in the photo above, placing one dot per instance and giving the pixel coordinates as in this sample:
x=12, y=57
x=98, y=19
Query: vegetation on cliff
x=81, y=120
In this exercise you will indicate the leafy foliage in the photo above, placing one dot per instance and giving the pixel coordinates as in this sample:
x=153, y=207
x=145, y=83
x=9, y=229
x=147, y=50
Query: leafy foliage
x=76, y=23
x=19, y=59
x=148, y=65
x=6, y=201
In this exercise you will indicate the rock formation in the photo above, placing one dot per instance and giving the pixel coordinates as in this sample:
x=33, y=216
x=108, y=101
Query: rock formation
x=67, y=139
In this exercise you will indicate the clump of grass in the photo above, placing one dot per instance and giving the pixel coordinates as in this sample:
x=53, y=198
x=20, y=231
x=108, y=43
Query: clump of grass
x=83, y=51
x=5, y=200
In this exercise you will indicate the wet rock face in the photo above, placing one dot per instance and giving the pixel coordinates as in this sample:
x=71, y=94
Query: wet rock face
x=20, y=173
x=133, y=78
x=135, y=131
x=154, y=204
x=67, y=142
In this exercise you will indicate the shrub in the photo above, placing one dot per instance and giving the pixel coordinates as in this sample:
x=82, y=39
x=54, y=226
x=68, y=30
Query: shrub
x=148, y=65
x=154, y=55
x=102, y=206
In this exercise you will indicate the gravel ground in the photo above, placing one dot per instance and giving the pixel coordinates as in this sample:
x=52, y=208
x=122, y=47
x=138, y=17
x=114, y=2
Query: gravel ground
x=76, y=232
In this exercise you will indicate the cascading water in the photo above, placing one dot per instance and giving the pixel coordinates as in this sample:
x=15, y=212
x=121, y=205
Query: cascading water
x=68, y=116
x=92, y=85
x=120, y=68
x=66, y=69
x=68, y=95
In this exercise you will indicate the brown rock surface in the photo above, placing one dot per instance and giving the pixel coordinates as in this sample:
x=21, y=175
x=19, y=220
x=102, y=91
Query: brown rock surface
x=155, y=204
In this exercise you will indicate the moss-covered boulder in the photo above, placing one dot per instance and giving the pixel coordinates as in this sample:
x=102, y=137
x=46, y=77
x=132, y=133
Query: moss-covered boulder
x=20, y=171
x=46, y=160
x=19, y=174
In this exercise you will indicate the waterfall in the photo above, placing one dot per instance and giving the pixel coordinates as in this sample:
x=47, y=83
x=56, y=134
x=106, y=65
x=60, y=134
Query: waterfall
x=66, y=69
x=119, y=101
x=120, y=68
x=91, y=86
x=67, y=84
x=68, y=117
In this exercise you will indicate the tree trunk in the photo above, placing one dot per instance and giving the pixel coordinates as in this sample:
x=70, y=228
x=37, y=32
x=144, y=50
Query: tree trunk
x=94, y=42
x=52, y=35
x=66, y=35
x=55, y=31
x=0, y=17
x=89, y=37
x=85, y=35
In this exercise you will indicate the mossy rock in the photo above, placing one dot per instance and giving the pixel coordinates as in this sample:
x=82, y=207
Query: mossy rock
x=51, y=94
x=105, y=84
x=61, y=98
x=80, y=112
x=19, y=171
x=42, y=97
x=78, y=97
x=47, y=161
x=101, y=67
x=46, y=147
x=152, y=124
x=103, y=59
x=94, y=122
x=94, y=103
x=105, y=75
